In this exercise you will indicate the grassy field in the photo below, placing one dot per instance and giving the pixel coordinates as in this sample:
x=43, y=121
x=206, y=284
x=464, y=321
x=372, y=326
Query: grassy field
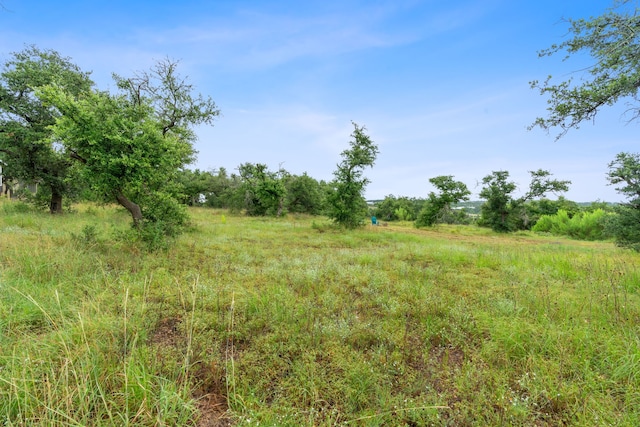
x=289, y=322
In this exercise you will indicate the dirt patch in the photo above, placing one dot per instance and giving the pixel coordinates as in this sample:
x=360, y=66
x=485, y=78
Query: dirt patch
x=448, y=356
x=213, y=411
x=210, y=395
x=166, y=332
x=208, y=378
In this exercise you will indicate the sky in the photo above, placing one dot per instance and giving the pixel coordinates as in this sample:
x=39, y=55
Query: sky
x=441, y=87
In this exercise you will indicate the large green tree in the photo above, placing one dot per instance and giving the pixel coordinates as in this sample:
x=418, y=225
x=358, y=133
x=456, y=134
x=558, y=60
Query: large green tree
x=612, y=40
x=132, y=144
x=347, y=206
x=26, y=147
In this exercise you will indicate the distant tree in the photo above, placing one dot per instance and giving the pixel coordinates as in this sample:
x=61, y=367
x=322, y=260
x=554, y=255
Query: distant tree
x=26, y=145
x=346, y=204
x=438, y=206
x=613, y=41
x=304, y=195
x=220, y=193
x=133, y=144
x=535, y=209
x=393, y=208
x=501, y=211
x=497, y=192
x=264, y=191
x=194, y=185
x=598, y=204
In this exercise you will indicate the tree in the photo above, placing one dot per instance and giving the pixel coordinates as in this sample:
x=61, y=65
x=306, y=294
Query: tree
x=613, y=41
x=625, y=227
x=394, y=208
x=264, y=191
x=438, y=206
x=26, y=146
x=220, y=193
x=132, y=144
x=194, y=185
x=347, y=206
x=497, y=192
x=535, y=209
x=501, y=211
x=304, y=194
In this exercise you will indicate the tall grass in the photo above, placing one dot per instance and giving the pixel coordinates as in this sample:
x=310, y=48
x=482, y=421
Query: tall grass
x=290, y=322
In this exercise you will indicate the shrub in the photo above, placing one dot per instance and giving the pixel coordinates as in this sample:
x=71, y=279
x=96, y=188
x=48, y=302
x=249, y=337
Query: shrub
x=582, y=225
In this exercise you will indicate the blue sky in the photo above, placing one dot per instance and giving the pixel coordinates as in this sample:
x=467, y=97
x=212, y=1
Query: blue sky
x=442, y=87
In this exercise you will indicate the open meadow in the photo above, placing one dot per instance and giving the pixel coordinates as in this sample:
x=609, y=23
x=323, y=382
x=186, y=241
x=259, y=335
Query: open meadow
x=291, y=322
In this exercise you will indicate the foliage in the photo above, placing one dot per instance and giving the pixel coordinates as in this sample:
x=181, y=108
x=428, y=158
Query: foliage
x=537, y=208
x=587, y=225
x=612, y=40
x=624, y=171
x=26, y=149
x=605, y=206
x=394, y=208
x=194, y=185
x=125, y=156
x=497, y=192
x=264, y=191
x=346, y=204
x=304, y=194
x=221, y=190
x=133, y=144
x=438, y=206
x=502, y=212
x=624, y=227
x=402, y=214
x=207, y=188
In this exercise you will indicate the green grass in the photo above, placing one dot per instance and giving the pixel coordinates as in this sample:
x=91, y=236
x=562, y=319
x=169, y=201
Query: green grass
x=289, y=322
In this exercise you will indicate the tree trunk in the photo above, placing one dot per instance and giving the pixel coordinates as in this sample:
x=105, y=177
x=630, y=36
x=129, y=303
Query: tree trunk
x=280, y=206
x=55, y=205
x=133, y=208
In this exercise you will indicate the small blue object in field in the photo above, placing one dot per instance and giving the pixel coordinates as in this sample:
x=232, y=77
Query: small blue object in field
x=374, y=220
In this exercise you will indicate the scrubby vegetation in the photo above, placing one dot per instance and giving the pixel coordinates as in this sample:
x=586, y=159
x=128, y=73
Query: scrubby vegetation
x=289, y=322
x=588, y=225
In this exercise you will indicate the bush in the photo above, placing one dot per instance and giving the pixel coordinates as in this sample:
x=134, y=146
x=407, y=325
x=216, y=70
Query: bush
x=582, y=225
x=623, y=227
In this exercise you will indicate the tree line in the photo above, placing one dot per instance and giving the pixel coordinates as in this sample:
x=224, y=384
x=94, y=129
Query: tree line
x=132, y=146
x=257, y=191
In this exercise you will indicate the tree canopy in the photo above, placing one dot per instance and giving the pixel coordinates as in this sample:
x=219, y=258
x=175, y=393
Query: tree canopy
x=132, y=144
x=26, y=147
x=439, y=205
x=612, y=40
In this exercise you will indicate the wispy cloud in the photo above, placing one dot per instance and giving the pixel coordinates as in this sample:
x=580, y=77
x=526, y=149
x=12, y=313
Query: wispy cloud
x=261, y=40
x=258, y=38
